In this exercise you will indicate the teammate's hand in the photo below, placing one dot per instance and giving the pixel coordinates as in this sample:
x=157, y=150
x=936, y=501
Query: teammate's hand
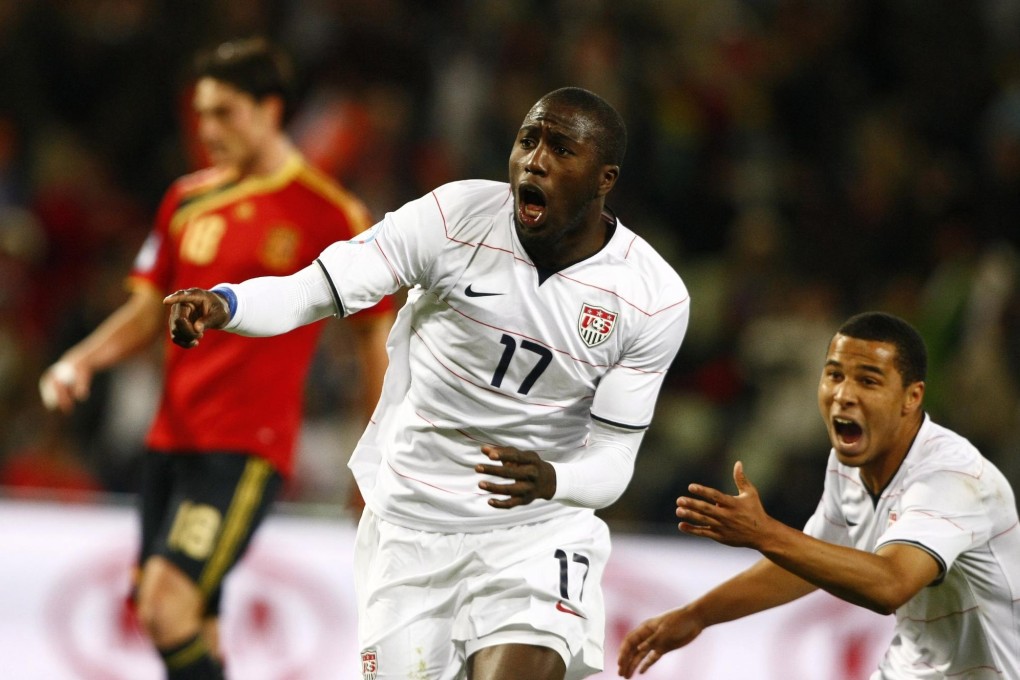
x=738, y=521
x=194, y=311
x=63, y=384
x=647, y=643
x=532, y=477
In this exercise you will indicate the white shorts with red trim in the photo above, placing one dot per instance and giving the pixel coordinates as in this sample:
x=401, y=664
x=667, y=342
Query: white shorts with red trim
x=427, y=601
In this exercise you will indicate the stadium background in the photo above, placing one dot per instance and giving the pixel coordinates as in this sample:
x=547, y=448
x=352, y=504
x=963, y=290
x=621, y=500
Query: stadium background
x=797, y=161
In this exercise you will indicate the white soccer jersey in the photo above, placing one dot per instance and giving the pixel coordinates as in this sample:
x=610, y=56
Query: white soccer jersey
x=486, y=352
x=951, y=501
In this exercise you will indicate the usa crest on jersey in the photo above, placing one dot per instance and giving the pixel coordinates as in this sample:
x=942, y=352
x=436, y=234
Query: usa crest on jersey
x=595, y=324
x=369, y=664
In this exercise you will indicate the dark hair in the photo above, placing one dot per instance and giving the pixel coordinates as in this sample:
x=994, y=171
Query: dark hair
x=911, y=354
x=252, y=65
x=611, y=139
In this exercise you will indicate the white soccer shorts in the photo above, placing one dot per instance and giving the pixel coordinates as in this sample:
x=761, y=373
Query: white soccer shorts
x=427, y=601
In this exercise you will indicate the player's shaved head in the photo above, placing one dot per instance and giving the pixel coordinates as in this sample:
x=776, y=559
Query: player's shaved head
x=610, y=133
x=911, y=354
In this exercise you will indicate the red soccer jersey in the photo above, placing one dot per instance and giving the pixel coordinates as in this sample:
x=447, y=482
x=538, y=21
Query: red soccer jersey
x=234, y=393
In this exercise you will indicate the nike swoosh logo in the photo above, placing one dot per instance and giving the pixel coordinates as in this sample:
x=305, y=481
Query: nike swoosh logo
x=475, y=293
x=560, y=607
x=851, y=523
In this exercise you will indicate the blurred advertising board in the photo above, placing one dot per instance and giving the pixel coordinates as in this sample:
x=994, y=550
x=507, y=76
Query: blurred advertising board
x=290, y=612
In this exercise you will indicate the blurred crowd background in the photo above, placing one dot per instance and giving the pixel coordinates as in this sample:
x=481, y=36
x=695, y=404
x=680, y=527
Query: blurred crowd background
x=797, y=161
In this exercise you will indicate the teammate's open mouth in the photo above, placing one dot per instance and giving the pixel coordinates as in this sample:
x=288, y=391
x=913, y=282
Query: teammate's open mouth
x=847, y=430
x=530, y=205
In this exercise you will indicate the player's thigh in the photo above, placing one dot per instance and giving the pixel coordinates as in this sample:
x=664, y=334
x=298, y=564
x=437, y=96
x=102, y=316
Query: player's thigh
x=513, y=661
x=217, y=502
x=543, y=589
x=407, y=585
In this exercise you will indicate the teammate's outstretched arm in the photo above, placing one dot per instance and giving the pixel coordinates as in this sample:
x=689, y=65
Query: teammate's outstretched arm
x=762, y=586
x=881, y=581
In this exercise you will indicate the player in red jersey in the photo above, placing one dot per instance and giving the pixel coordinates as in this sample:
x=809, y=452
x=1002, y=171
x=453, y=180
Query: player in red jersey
x=224, y=437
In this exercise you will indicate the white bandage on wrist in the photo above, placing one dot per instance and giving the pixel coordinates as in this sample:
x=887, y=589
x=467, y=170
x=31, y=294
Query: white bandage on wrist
x=61, y=372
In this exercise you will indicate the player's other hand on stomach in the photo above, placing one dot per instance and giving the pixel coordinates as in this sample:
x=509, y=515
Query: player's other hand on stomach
x=530, y=476
x=647, y=643
x=194, y=311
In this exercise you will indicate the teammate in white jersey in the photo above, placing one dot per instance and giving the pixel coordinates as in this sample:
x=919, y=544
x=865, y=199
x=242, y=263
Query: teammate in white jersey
x=523, y=372
x=913, y=520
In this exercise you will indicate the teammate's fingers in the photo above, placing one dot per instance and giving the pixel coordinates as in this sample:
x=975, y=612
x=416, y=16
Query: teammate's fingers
x=744, y=485
x=649, y=661
x=690, y=529
x=689, y=507
x=700, y=520
x=625, y=665
x=708, y=493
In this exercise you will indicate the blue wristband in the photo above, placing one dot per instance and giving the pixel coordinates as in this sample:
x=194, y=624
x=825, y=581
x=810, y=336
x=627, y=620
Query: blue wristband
x=231, y=299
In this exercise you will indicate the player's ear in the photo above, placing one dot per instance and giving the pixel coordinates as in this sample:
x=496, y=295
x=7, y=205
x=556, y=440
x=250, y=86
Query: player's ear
x=913, y=398
x=275, y=108
x=607, y=180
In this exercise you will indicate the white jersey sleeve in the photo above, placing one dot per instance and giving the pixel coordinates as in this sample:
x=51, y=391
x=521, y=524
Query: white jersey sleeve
x=272, y=305
x=396, y=252
x=601, y=477
x=946, y=512
x=627, y=393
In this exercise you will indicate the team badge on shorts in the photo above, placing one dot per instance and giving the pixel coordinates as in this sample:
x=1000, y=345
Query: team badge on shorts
x=595, y=324
x=369, y=664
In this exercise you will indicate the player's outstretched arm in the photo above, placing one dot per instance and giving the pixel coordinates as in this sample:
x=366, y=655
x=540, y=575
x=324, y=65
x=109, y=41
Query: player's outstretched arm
x=881, y=581
x=656, y=636
x=194, y=311
x=762, y=586
x=133, y=326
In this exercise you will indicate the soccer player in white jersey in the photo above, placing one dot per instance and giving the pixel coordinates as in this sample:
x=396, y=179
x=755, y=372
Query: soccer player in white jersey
x=523, y=371
x=913, y=520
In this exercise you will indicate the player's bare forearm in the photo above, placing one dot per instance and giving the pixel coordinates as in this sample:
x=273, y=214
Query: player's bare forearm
x=194, y=311
x=531, y=476
x=762, y=586
x=880, y=582
x=134, y=326
x=655, y=637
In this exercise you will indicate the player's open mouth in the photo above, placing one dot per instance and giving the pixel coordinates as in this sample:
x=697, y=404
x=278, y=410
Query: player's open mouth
x=530, y=205
x=847, y=430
